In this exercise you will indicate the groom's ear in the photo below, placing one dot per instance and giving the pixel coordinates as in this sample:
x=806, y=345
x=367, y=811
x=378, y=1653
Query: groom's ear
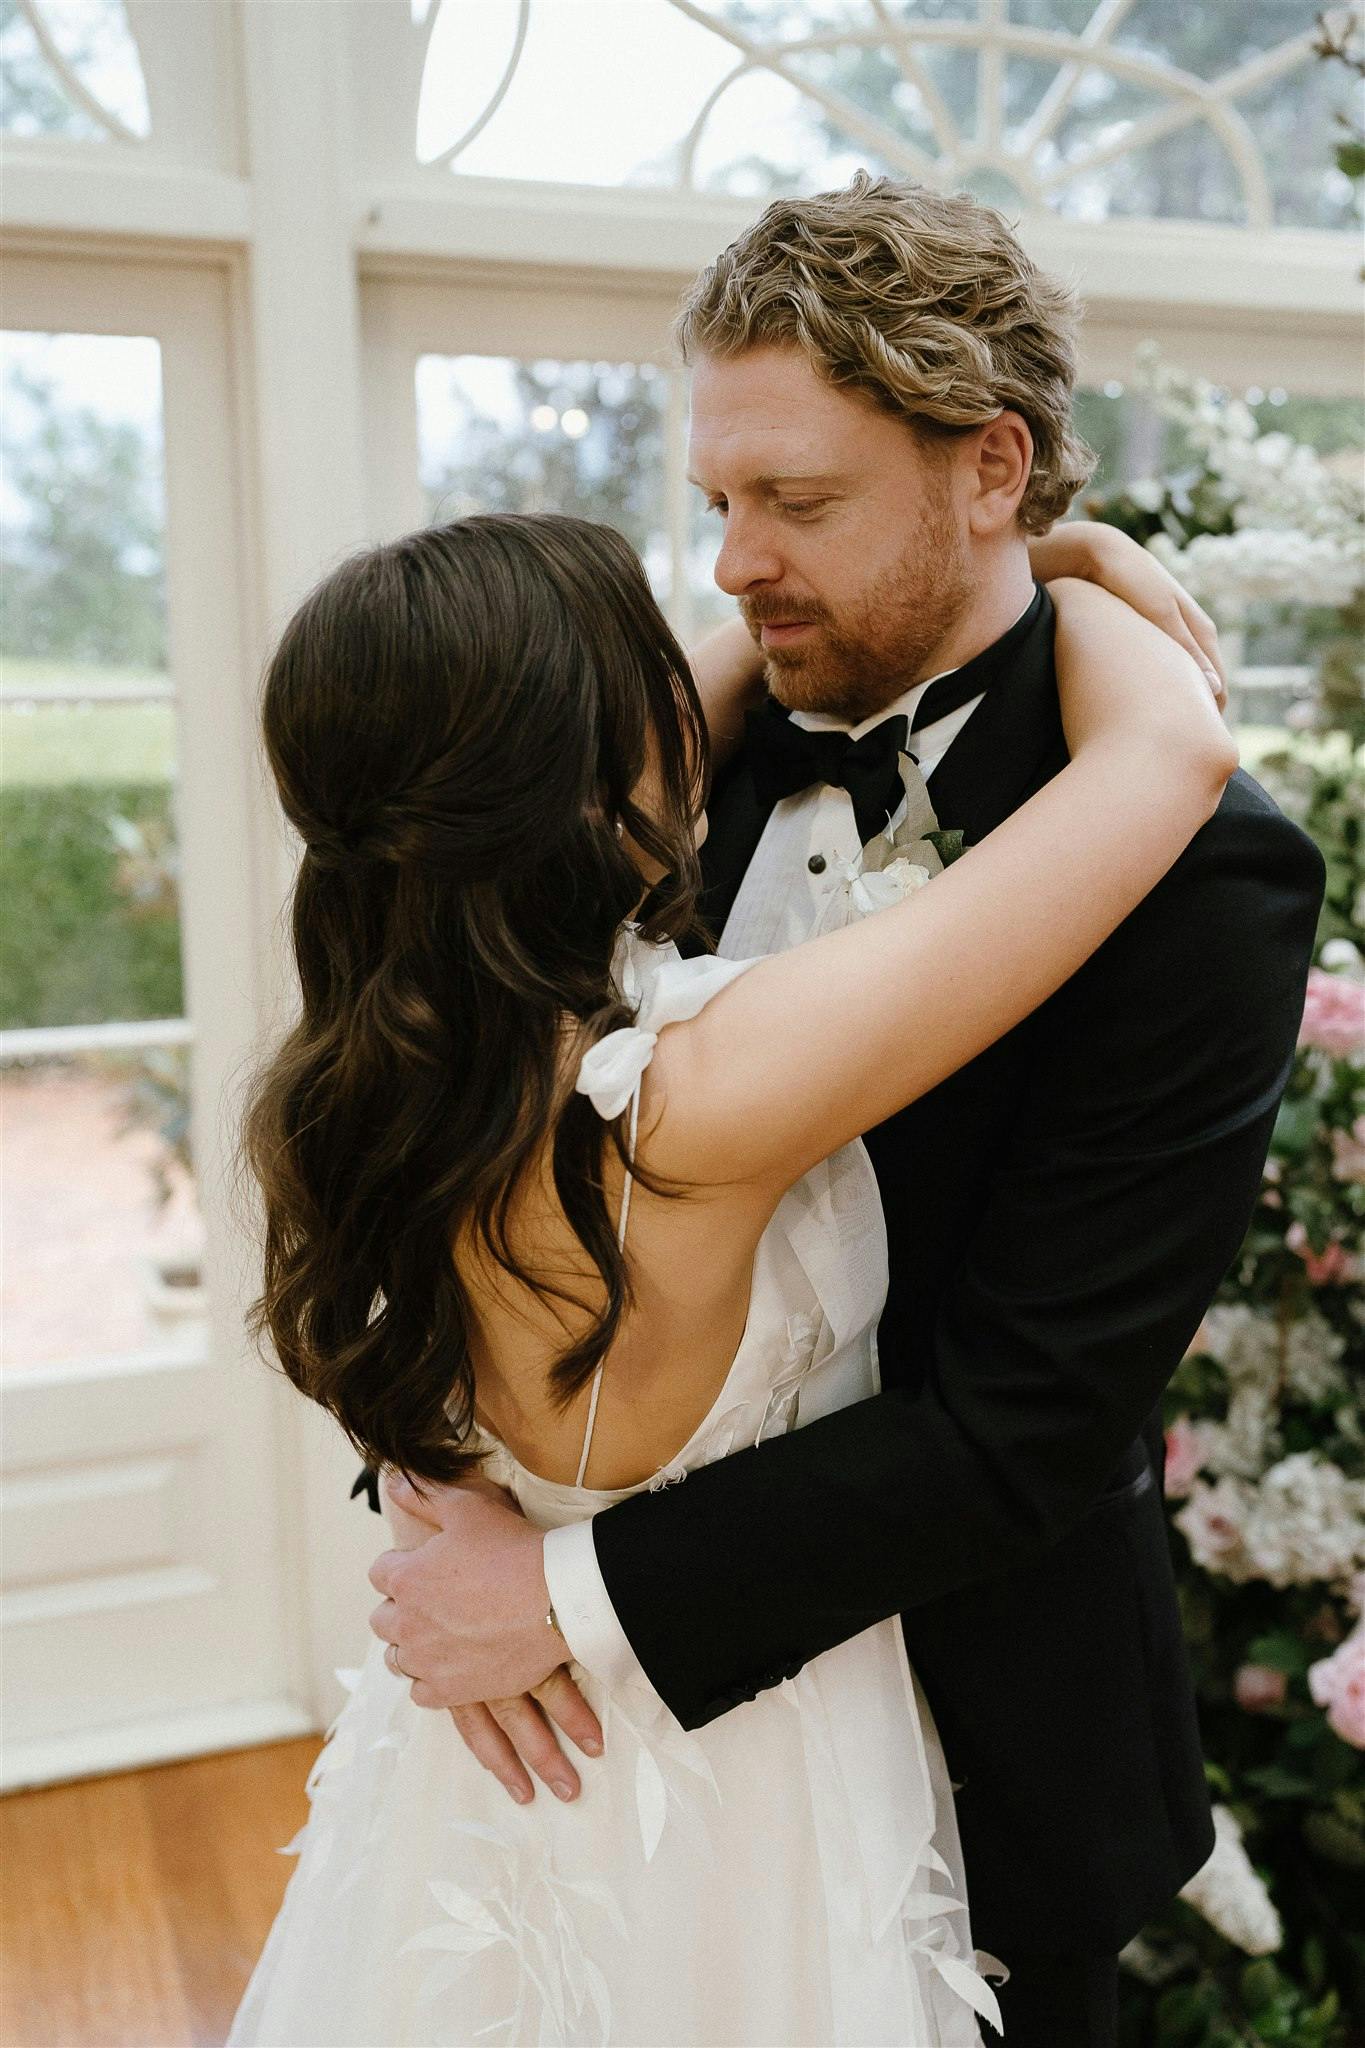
x=1001, y=456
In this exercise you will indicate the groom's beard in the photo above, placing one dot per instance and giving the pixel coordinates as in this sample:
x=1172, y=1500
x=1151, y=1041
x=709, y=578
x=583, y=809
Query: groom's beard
x=863, y=656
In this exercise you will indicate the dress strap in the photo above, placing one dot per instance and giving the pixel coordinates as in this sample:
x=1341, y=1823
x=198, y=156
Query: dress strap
x=662, y=988
x=620, y=1246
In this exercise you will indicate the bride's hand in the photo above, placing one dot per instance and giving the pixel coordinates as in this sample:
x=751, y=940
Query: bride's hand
x=506, y=1736
x=1096, y=553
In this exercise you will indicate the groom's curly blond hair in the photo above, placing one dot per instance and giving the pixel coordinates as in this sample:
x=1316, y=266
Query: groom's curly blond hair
x=924, y=300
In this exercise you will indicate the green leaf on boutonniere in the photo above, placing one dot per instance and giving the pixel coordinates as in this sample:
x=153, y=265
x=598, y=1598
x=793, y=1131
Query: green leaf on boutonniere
x=949, y=846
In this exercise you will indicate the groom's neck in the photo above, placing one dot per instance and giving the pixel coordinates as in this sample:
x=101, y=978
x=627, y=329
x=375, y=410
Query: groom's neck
x=1002, y=592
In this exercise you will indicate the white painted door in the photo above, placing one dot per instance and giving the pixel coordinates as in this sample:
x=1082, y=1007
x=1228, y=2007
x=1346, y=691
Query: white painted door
x=147, y=1453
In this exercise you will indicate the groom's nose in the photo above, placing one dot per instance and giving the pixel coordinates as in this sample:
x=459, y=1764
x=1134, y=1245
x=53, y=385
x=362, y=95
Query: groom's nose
x=748, y=558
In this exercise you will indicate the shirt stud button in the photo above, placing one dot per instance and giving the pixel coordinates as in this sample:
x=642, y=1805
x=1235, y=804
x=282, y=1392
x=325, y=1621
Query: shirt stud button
x=816, y=863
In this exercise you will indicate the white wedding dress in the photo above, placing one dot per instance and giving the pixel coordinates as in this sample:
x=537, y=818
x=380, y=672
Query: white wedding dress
x=789, y=1874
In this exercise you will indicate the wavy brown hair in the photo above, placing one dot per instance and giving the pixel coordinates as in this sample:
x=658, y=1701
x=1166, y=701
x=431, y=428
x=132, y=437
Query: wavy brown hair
x=924, y=300
x=457, y=724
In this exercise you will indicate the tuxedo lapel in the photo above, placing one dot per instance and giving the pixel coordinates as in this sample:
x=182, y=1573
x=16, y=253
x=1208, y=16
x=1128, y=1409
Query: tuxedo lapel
x=1012, y=743
x=736, y=816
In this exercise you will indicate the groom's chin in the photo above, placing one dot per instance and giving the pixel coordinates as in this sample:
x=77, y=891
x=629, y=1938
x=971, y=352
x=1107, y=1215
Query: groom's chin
x=798, y=681
x=803, y=684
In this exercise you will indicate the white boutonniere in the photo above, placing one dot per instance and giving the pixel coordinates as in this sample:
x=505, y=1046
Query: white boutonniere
x=885, y=872
x=881, y=887
x=888, y=869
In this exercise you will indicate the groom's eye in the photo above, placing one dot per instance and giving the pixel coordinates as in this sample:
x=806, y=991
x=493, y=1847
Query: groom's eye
x=799, y=507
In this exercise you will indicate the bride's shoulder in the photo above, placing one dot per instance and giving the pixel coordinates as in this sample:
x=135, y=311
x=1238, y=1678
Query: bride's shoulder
x=674, y=989
x=662, y=988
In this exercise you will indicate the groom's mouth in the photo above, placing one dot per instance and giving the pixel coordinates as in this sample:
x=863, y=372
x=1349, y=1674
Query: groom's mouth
x=781, y=632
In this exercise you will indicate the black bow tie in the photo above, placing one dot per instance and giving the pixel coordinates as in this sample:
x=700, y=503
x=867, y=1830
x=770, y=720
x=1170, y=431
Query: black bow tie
x=785, y=758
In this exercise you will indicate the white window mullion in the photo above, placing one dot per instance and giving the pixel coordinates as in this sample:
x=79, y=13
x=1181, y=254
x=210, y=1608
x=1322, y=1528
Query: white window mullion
x=678, y=504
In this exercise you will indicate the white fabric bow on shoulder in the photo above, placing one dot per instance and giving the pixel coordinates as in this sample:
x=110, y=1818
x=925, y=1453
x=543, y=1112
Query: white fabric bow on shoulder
x=611, y=1069
x=663, y=988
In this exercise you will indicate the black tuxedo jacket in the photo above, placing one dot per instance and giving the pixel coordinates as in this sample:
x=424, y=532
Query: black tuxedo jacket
x=1060, y=1213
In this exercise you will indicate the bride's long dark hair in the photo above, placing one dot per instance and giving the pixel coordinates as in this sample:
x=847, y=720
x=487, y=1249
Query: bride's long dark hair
x=456, y=723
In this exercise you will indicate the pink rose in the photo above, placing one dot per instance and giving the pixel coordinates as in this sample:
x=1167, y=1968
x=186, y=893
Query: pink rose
x=1334, y=1015
x=1256, y=1687
x=1338, y=1684
x=1331, y=1267
x=1184, y=1456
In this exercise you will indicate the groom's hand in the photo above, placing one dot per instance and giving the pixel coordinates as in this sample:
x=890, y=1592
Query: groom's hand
x=466, y=1605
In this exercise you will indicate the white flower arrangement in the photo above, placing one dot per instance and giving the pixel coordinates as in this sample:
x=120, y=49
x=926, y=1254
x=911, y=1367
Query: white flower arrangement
x=1302, y=1523
x=1230, y=1895
x=1254, y=1350
x=1269, y=564
x=1299, y=524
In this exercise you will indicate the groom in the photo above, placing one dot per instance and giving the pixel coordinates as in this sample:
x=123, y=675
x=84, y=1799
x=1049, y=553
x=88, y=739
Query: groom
x=1059, y=1213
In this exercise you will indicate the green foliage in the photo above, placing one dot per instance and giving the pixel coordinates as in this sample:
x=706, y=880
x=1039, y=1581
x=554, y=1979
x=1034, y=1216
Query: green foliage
x=83, y=574
x=1319, y=781
x=1297, y=1789
x=1198, y=1999
x=91, y=927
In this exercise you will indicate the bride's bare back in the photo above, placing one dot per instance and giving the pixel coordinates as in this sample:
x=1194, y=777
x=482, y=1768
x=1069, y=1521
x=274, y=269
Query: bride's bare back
x=690, y=1261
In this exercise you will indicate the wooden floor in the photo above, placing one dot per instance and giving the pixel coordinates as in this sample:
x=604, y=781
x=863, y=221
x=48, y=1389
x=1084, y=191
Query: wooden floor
x=132, y=1907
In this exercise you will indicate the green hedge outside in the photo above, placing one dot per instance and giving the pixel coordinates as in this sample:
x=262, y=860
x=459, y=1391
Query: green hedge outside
x=77, y=946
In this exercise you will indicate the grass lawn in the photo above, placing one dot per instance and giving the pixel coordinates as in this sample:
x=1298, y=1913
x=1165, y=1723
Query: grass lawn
x=53, y=743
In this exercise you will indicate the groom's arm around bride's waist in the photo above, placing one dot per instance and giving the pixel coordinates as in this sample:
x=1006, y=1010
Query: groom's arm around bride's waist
x=1115, y=1205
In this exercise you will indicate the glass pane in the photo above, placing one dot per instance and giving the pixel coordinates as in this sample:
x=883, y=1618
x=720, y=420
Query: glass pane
x=616, y=104
x=499, y=435
x=101, y=1231
x=601, y=95
x=87, y=726
x=765, y=137
x=97, y=1185
x=1134, y=442
x=83, y=78
x=1189, y=174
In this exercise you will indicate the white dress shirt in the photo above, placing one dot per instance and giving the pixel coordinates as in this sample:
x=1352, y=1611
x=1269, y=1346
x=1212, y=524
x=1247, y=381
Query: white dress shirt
x=778, y=905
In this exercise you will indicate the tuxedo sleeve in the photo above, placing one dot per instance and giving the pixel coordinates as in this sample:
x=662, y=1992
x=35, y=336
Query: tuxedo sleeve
x=1116, y=1202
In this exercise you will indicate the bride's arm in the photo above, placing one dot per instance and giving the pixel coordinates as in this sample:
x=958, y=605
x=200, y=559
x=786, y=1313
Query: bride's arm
x=727, y=668
x=1100, y=554
x=816, y=1045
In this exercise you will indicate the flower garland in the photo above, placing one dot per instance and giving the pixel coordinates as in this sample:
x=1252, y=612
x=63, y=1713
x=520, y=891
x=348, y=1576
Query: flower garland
x=1265, y=1440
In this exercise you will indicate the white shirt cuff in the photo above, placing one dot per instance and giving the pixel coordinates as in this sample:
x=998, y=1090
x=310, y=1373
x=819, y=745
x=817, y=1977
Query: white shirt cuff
x=583, y=1609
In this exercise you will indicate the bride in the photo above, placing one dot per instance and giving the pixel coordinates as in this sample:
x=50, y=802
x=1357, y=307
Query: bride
x=548, y=1204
